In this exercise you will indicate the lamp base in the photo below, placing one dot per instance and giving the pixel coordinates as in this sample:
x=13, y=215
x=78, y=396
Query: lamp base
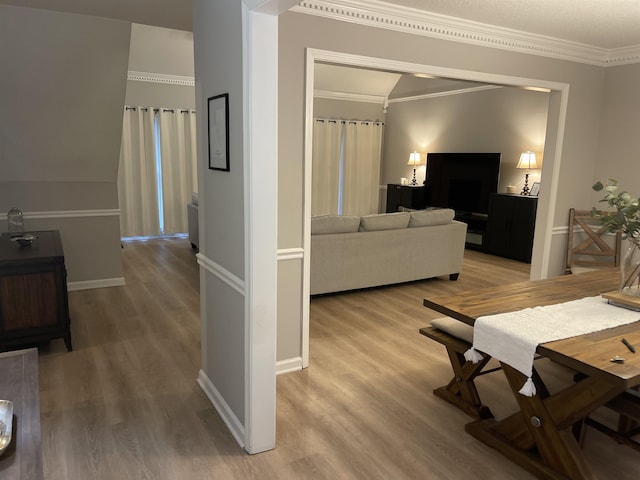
x=414, y=181
x=525, y=189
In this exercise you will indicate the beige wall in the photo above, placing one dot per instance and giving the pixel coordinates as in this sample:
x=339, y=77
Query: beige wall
x=164, y=51
x=63, y=85
x=299, y=31
x=161, y=50
x=347, y=110
x=619, y=140
x=221, y=205
x=505, y=120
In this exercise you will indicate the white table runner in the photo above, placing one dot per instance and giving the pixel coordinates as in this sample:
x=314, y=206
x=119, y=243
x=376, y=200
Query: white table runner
x=513, y=337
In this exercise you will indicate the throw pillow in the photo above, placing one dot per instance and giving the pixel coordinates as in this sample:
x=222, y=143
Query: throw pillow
x=326, y=224
x=427, y=218
x=384, y=221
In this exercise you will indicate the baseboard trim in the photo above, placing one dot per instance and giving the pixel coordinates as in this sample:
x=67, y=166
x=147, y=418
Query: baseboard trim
x=223, y=409
x=289, y=365
x=102, y=283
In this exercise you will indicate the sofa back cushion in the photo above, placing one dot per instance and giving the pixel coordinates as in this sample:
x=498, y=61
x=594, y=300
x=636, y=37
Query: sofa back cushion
x=326, y=224
x=427, y=218
x=384, y=221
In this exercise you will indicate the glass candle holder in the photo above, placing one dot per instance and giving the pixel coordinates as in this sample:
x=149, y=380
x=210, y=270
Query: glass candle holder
x=15, y=220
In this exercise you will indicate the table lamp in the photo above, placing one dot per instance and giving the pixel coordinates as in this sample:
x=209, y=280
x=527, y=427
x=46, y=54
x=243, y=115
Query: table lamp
x=414, y=160
x=527, y=161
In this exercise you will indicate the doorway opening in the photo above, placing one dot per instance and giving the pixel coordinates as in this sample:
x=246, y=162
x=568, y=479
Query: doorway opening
x=558, y=99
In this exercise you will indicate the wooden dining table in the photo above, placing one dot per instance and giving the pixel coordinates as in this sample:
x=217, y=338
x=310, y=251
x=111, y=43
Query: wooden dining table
x=544, y=435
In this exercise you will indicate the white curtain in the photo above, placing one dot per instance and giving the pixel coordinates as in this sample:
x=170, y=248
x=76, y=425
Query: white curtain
x=178, y=159
x=362, y=153
x=137, y=175
x=327, y=139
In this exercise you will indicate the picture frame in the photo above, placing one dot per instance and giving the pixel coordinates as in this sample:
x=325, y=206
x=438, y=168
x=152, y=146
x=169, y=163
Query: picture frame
x=535, y=189
x=218, y=132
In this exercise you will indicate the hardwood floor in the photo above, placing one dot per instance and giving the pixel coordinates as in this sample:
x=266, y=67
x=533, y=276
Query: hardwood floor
x=125, y=404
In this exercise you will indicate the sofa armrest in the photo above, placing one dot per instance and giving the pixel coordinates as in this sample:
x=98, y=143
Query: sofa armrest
x=192, y=225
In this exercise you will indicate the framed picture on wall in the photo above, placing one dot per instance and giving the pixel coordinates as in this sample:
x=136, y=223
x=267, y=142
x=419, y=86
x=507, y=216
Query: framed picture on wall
x=535, y=189
x=218, y=116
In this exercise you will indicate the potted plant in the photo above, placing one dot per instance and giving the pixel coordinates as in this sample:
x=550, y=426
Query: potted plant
x=624, y=218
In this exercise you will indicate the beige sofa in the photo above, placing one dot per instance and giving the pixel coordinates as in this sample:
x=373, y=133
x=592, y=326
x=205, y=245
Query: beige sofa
x=349, y=252
x=192, y=221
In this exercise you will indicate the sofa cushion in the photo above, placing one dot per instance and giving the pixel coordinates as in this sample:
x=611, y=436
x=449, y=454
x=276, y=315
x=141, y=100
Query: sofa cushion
x=326, y=224
x=194, y=198
x=384, y=221
x=427, y=218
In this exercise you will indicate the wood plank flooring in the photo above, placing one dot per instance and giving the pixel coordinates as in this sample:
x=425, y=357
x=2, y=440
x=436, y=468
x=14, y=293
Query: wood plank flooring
x=125, y=403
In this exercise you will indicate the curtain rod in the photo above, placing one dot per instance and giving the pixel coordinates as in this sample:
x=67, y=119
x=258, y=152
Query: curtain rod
x=350, y=122
x=156, y=110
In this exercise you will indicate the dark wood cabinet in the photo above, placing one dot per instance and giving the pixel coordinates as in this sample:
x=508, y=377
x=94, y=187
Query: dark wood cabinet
x=405, y=196
x=34, y=305
x=511, y=225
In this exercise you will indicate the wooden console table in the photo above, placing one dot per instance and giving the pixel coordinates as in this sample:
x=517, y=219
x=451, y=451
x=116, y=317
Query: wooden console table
x=22, y=460
x=34, y=304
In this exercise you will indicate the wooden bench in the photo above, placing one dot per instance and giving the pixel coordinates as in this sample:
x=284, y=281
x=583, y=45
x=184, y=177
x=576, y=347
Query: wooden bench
x=461, y=390
x=627, y=406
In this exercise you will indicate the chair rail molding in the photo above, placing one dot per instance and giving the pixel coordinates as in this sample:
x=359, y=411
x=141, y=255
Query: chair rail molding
x=222, y=273
x=290, y=254
x=112, y=212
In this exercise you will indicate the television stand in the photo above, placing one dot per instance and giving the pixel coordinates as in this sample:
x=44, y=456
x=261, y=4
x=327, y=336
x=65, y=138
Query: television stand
x=476, y=229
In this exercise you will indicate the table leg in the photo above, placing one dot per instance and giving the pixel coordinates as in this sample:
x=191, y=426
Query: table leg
x=540, y=437
x=461, y=391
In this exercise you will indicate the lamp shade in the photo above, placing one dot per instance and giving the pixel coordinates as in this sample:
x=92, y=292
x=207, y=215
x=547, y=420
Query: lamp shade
x=527, y=160
x=414, y=159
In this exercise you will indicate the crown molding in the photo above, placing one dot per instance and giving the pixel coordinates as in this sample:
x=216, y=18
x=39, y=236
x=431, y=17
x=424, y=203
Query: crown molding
x=374, y=13
x=446, y=93
x=161, y=78
x=351, y=97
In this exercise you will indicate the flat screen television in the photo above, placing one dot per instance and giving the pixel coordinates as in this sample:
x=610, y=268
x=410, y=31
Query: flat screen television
x=462, y=181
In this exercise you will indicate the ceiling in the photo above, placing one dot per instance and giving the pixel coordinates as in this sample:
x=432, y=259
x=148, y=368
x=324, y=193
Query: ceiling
x=607, y=24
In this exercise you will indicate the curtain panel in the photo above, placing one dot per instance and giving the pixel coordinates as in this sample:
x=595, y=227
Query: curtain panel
x=177, y=135
x=346, y=167
x=362, y=155
x=137, y=175
x=157, y=172
x=327, y=143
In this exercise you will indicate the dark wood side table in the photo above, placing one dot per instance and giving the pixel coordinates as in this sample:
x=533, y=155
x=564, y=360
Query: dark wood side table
x=405, y=196
x=22, y=460
x=34, y=305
